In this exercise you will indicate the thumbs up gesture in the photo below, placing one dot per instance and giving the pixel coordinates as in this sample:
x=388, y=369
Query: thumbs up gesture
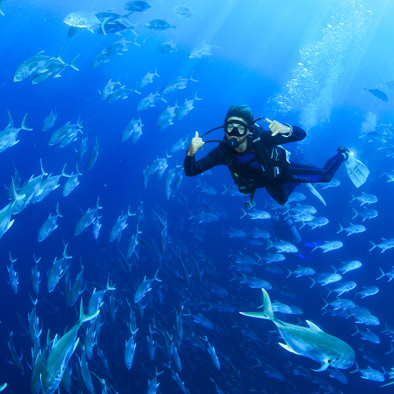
x=196, y=144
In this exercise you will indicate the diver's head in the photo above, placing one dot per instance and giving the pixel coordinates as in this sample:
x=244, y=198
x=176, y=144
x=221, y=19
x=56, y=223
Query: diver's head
x=237, y=123
x=236, y=133
x=240, y=111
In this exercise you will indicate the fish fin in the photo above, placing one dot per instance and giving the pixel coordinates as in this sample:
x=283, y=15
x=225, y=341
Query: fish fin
x=387, y=384
x=268, y=314
x=72, y=63
x=76, y=344
x=10, y=224
x=267, y=304
x=313, y=190
x=15, y=195
x=258, y=315
x=316, y=247
x=84, y=318
x=288, y=348
x=24, y=127
x=322, y=368
x=313, y=326
x=109, y=286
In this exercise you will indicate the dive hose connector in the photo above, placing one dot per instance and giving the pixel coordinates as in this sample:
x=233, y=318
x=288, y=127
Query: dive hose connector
x=250, y=204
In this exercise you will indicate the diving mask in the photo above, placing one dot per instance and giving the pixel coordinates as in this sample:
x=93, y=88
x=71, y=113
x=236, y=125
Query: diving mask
x=235, y=128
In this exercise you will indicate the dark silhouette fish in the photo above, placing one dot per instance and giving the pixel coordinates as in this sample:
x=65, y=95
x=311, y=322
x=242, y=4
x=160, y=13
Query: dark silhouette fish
x=379, y=94
x=137, y=6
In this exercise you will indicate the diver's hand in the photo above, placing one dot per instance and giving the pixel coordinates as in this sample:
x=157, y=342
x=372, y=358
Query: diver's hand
x=278, y=128
x=196, y=144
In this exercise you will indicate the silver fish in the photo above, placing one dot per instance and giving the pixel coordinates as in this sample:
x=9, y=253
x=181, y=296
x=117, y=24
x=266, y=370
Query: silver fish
x=82, y=20
x=329, y=246
x=129, y=352
x=310, y=342
x=49, y=226
x=50, y=120
x=145, y=287
x=61, y=352
x=158, y=24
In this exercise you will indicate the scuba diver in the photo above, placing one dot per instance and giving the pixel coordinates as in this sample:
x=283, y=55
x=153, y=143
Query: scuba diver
x=256, y=158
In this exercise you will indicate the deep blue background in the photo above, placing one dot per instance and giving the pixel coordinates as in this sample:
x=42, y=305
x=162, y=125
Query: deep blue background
x=255, y=57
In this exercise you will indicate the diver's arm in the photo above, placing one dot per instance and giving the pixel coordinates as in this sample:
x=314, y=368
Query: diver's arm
x=295, y=134
x=284, y=133
x=194, y=167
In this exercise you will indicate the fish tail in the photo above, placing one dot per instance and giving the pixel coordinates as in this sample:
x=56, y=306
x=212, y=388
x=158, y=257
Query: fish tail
x=15, y=195
x=381, y=276
x=42, y=168
x=64, y=171
x=109, y=286
x=57, y=211
x=355, y=333
x=268, y=314
x=79, y=173
x=356, y=368
x=316, y=247
x=24, y=127
x=65, y=255
x=196, y=97
x=192, y=79
x=373, y=246
x=98, y=203
x=84, y=318
x=390, y=351
x=326, y=304
x=72, y=63
x=11, y=259
x=353, y=197
x=258, y=315
x=103, y=23
x=225, y=189
x=155, y=277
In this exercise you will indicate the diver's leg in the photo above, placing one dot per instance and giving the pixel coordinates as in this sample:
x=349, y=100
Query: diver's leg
x=303, y=173
x=331, y=166
x=280, y=192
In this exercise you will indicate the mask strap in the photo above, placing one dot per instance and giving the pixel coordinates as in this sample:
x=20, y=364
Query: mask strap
x=256, y=120
x=210, y=131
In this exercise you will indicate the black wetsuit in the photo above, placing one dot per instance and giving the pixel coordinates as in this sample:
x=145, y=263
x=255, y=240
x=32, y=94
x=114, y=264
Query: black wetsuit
x=265, y=164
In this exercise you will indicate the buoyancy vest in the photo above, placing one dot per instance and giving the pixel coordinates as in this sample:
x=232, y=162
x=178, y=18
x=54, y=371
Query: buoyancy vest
x=273, y=160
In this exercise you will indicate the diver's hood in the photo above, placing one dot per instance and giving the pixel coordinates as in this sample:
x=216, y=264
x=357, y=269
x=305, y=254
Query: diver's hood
x=232, y=142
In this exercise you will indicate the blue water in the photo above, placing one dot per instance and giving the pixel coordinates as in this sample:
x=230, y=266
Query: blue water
x=306, y=63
